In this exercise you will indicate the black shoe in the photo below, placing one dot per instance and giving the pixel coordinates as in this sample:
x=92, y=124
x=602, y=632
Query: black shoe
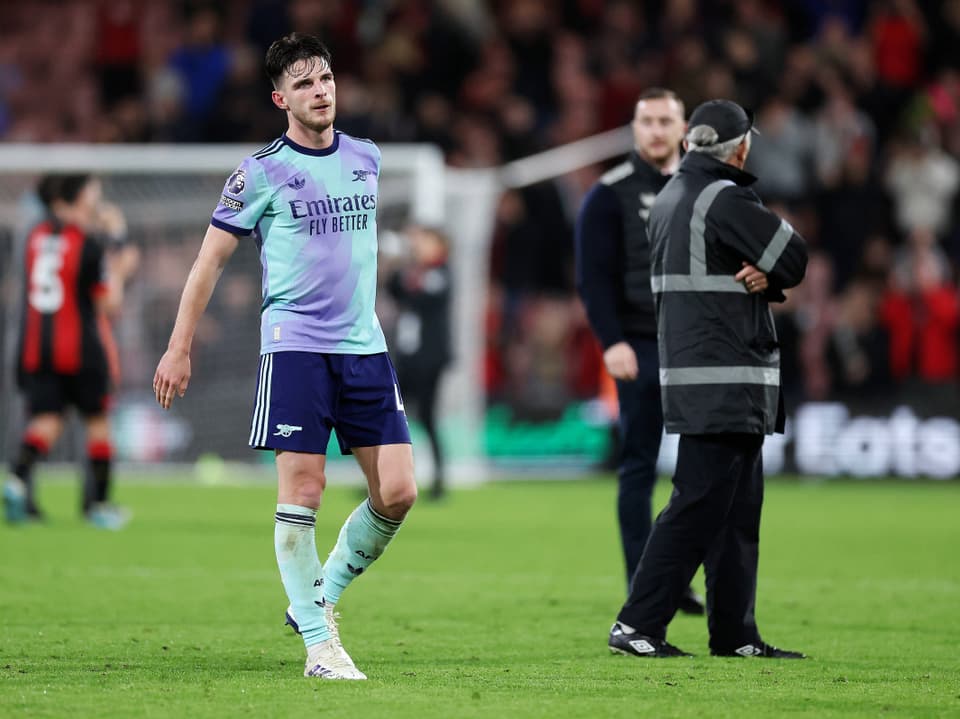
x=35, y=514
x=640, y=645
x=691, y=603
x=759, y=649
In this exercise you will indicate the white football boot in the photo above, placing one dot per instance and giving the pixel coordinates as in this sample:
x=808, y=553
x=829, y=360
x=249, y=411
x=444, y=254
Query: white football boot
x=328, y=659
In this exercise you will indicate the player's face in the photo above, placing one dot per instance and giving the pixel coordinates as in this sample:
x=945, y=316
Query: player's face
x=428, y=249
x=308, y=92
x=658, y=128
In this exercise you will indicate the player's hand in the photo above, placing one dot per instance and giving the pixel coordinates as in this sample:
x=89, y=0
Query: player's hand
x=109, y=219
x=752, y=278
x=172, y=377
x=621, y=361
x=123, y=262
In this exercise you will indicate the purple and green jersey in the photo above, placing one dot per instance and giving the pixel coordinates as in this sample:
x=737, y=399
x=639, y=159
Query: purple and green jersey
x=313, y=216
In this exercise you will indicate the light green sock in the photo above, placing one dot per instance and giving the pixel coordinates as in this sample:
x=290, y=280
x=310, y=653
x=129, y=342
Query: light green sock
x=300, y=570
x=362, y=539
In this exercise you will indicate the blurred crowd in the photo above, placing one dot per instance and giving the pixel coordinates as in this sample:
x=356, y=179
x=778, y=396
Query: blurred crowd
x=858, y=103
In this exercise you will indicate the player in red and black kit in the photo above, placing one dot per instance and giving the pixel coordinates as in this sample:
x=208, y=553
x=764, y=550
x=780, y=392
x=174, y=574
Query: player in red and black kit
x=66, y=352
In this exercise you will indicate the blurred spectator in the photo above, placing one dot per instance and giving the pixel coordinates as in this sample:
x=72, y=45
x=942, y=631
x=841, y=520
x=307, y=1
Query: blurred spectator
x=614, y=50
x=765, y=26
x=751, y=79
x=850, y=211
x=923, y=181
x=945, y=30
x=921, y=312
x=858, y=346
x=813, y=304
x=898, y=31
x=820, y=12
x=839, y=125
x=786, y=321
x=202, y=64
x=241, y=115
x=422, y=345
x=686, y=64
x=782, y=155
x=118, y=50
x=527, y=26
x=542, y=359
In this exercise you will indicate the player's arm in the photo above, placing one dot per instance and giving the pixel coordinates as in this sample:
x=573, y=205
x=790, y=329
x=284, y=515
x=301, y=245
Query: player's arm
x=173, y=371
x=106, y=292
x=598, y=238
x=120, y=264
x=117, y=260
x=773, y=253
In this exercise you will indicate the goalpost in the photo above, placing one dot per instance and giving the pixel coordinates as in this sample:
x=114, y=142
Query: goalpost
x=168, y=193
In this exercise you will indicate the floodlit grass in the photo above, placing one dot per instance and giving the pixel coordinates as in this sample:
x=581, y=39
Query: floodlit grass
x=495, y=603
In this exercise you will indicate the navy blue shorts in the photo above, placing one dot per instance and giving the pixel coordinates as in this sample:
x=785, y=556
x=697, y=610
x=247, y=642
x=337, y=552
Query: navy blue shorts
x=301, y=396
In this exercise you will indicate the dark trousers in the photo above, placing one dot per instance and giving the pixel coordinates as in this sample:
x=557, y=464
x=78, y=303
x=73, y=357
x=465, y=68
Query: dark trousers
x=641, y=426
x=419, y=384
x=713, y=518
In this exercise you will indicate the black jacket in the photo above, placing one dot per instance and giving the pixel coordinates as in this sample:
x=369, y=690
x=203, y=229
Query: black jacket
x=613, y=253
x=423, y=338
x=719, y=357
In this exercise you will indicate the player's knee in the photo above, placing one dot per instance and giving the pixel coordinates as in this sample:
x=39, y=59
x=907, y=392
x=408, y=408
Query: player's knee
x=307, y=489
x=399, y=497
x=45, y=428
x=312, y=490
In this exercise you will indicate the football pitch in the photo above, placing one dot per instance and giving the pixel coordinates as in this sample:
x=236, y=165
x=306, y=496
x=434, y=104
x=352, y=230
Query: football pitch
x=494, y=603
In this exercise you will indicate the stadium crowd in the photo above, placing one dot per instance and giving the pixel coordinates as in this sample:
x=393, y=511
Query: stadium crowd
x=858, y=103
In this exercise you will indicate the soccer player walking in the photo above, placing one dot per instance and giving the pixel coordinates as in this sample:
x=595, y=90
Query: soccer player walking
x=66, y=351
x=309, y=200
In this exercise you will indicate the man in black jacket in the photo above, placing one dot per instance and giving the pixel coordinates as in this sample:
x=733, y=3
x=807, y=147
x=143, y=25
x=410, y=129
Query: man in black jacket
x=718, y=258
x=613, y=278
x=423, y=344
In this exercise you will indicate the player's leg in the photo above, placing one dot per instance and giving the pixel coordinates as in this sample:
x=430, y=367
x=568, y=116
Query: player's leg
x=42, y=432
x=641, y=422
x=372, y=525
x=292, y=418
x=731, y=563
x=45, y=405
x=704, y=485
x=371, y=423
x=731, y=567
x=89, y=393
x=300, y=491
x=641, y=427
x=98, y=477
x=427, y=414
x=301, y=482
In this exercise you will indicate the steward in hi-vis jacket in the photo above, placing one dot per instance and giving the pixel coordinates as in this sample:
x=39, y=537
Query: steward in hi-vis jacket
x=719, y=358
x=718, y=258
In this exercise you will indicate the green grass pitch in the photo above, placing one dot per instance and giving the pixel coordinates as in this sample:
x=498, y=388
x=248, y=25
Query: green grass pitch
x=495, y=603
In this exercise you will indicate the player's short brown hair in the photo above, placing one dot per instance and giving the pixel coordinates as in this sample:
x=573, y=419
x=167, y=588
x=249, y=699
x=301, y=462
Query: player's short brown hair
x=291, y=49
